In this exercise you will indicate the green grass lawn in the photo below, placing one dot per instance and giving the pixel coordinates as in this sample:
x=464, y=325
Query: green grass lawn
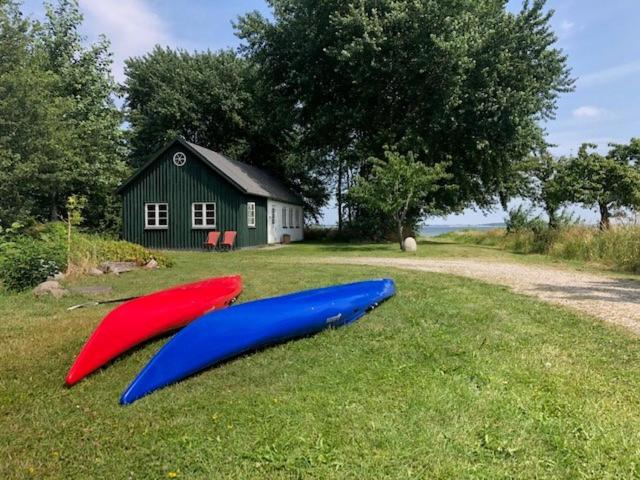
x=449, y=379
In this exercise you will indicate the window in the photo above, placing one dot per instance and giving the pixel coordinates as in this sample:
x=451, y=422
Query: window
x=291, y=222
x=251, y=214
x=273, y=215
x=203, y=215
x=298, y=215
x=156, y=216
x=284, y=217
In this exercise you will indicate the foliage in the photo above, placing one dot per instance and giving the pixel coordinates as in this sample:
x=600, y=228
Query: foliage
x=617, y=248
x=522, y=218
x=25, y=262
x=400, y=187
x=60, y=127
x=29, y=255
x=547, y=184
x=608, y=182
x=462, y=83
x=214, y=100
x=90, y=250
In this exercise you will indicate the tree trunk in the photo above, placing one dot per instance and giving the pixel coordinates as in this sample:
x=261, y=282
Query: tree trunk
x=53, y=212
x=553, y=221
x=400, y=239
x=604, y=216
x=339, y=196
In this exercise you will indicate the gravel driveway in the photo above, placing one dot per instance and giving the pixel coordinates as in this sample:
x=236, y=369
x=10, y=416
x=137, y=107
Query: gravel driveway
x=613, y=300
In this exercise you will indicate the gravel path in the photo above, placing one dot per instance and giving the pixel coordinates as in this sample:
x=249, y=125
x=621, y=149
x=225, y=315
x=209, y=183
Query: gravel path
x=613, y=300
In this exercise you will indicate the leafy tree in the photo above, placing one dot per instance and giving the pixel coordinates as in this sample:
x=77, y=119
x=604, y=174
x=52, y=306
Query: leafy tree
x=399, y=186
x=460, y=82
x=548, y=185
x=607, y=182
x=59, y=128
x=85, y=78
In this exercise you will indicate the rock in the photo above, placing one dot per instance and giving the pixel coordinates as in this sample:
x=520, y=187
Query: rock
x=151, y=264
x=93, y=290
x=117, y=267
x=410, y=244
x=95, y=272
x=50, y=287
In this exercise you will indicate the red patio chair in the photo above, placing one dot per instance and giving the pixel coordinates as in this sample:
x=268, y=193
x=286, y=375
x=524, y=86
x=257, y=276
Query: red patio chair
x=228, y=240
x=212, y=240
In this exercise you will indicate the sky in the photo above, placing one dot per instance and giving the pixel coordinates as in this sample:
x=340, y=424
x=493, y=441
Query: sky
x=600, y=39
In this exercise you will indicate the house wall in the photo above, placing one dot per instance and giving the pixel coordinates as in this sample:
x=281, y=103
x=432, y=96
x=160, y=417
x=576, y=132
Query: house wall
x=275, y=226
x=179, y=187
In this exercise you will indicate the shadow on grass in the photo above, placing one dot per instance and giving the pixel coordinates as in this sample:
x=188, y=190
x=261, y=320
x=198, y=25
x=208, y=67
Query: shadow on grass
x=614, y=290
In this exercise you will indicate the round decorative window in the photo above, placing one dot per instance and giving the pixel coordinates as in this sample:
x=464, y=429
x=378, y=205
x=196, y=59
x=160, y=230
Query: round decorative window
x=179, y=159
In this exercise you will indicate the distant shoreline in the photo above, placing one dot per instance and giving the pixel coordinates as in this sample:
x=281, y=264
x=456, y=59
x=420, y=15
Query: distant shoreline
x=435, y=230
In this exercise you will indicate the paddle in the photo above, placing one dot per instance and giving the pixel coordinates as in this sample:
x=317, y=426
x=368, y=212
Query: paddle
x=103, y=302
x=117, y=300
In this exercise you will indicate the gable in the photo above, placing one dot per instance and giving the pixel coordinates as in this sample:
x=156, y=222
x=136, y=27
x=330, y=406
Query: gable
x=246, y=178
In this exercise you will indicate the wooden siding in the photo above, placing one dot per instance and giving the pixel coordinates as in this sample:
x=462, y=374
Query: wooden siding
x=179, y=187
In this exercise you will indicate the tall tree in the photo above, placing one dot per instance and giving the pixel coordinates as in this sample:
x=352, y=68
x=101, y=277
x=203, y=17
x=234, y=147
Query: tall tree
x=607, y=182
x=85, y=78
x=60, y=131
x=461, y=82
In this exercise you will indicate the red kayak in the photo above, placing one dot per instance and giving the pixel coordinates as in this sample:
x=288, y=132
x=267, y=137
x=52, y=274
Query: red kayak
x=145, y=317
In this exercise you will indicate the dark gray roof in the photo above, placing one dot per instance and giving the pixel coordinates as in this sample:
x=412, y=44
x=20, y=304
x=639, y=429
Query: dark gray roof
x=247, y=178
x=252, y=180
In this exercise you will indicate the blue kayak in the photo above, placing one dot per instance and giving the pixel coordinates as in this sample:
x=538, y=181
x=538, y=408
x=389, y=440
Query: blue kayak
x=224, y=334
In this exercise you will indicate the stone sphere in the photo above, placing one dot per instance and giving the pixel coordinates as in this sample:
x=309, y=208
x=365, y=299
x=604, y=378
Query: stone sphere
x=410, y=244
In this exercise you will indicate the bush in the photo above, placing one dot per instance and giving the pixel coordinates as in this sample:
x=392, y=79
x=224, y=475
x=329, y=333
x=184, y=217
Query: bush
x=25, y=262
x=89, y=250
x=522, y=219
x=618, y=247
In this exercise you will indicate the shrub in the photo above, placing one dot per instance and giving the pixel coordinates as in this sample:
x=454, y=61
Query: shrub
x=90, y=250
x=522, y=219
x=25, y=262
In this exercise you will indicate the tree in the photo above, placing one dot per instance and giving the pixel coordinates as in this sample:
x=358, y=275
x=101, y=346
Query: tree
x=60, y=131
x=607, y=182
x=85, y=79
x=547, y=184
x=459, y=82
x=400, y=186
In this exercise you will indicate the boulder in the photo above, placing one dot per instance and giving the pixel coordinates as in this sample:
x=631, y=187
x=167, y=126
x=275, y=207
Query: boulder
x=50, y=287
x=151, y=264
x=117, y=267
x=95, y=272
x=410, y=244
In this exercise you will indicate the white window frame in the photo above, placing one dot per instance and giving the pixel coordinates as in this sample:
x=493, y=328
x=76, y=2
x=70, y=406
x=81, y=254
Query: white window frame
x=156, y=216
x=206, y=225
x=292, y=222
x=284, y=217
x=251, y=214
x=298, y=215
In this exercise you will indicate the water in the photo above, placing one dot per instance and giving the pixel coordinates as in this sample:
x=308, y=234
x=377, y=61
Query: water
x=435, y=230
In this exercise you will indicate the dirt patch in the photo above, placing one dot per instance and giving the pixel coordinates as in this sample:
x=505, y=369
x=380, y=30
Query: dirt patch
x=613, y=300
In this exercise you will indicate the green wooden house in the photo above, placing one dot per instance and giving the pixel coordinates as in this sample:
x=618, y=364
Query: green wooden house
x=185, y=191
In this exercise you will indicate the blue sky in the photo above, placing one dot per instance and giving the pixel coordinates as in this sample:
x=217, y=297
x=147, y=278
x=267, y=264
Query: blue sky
x=600, y=38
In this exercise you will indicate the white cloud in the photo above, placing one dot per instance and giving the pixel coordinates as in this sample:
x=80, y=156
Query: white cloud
x=589, y=111
x=609, y=74
x=131, y=26
x=567, y=27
